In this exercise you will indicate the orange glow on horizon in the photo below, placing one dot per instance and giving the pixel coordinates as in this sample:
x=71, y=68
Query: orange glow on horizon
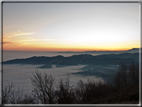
x=13, y=43
x=59, y=31
x=54, y=49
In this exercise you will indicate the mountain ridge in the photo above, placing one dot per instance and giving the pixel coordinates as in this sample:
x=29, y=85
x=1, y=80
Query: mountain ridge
x=133, y=49
x=78, y=59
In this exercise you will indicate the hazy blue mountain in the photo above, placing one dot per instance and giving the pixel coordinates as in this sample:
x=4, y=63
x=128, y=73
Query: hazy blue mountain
x=104, y=66
x=106, y=72
x=78, y=59
x=133, y=50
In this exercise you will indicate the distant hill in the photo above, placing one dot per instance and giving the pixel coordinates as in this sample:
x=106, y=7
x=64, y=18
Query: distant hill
x=78, y=59
x=133, y=50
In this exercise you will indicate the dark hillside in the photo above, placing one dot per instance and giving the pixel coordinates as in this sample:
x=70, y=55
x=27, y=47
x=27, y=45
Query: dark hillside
x=79, y=59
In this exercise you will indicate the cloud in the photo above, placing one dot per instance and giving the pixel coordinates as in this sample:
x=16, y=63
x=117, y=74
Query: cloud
x=29, y=40
x=7, y=42
x=17, y=34
x=22, y=34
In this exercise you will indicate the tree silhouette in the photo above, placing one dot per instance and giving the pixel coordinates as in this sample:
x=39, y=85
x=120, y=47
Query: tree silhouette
x=43, y=87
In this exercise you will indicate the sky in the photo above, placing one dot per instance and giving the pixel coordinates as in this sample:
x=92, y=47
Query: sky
x=71, y=26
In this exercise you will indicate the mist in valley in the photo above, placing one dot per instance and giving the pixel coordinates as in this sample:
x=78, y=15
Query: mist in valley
x=21, y=75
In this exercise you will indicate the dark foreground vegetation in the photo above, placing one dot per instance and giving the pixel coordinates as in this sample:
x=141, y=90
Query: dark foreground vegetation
x=124, y=90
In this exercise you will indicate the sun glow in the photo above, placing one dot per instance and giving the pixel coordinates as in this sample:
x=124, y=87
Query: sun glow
x=34, y=45
x=71, y=27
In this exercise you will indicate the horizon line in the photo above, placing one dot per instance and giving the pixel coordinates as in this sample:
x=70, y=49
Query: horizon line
x=101, y=50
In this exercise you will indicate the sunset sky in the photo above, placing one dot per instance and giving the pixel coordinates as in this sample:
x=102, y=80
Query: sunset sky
x=71, y=26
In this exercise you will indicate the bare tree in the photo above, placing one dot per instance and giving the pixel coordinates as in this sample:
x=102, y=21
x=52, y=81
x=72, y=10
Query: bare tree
x=28, y=99
x=65, y=92
x=127, y=75
x=44, y=89
x=91, y=90
x=121, y=77
x=133, y=74
x=12, y=94
x=79, y=90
